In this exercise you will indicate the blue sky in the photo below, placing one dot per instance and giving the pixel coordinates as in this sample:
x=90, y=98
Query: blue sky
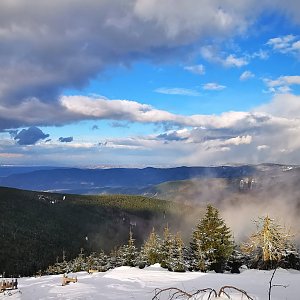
x=142, y=82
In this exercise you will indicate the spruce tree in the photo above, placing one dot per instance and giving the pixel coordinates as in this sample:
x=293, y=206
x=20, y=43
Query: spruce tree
x=79, y=263
x=166, y=248
x=151, y=250
x=129, y=252
x=98, y=261
x=116, y=259
x=212, y=242
x=176, y=260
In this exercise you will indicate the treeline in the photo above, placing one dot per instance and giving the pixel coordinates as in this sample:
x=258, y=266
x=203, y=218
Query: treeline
x=212, y=247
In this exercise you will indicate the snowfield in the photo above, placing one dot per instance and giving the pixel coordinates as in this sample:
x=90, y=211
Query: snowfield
x=133, y=283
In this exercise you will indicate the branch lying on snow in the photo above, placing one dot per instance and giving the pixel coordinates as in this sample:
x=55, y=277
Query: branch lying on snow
x=175, y=293
x=222, y=291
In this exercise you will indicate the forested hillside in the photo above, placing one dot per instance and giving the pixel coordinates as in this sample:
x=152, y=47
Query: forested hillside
x=37, y=227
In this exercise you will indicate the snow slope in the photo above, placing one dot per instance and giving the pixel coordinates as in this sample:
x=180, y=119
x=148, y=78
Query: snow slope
x=132, y=283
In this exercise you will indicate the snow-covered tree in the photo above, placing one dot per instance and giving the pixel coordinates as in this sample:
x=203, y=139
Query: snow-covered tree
x=98, y=261
x=79, y=263
x=151, y=250
x=116, y=259
x=212, y=242
x=129, y=252
x=59, y=267
x=176, y=260
x=236, y=260
x=166, y=248
x=269, y=245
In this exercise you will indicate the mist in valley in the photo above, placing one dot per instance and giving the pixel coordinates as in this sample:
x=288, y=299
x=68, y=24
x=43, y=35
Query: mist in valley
x=276, y=196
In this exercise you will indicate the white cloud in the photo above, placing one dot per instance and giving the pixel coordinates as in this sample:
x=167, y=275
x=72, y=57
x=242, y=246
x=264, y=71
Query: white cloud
x=262, y=147
x=281, y=84
x=246, y=75
x=212, y=54
x=239, y=140
x=197, y=69
x=285, y=44
x=177, y=91
x=282, y=105
x=233, y=61
x=281, y=43
x=213, y=86
x=262, y=54
x=71, y=109
x=296, y=45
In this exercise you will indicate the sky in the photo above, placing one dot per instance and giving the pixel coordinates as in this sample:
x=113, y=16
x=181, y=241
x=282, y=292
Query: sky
x=149, y=83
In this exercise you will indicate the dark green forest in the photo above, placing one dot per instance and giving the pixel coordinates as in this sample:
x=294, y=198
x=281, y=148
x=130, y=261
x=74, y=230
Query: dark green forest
x=37, y=227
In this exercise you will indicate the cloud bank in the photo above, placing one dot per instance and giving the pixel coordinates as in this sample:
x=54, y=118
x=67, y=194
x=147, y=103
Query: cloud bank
x=48, y=47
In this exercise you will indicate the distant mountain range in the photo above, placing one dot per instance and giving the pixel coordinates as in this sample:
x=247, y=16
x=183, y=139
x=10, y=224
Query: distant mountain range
x=121, y=180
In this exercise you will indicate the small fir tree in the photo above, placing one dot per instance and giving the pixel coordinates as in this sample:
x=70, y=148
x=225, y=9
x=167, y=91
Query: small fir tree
x=60, y=267
x=98, y=261
x=129, y=252
x=116, y=259
x=212, y=242
x=176, y=261
x=79, y=263
x=151, y=250
x=166, y=248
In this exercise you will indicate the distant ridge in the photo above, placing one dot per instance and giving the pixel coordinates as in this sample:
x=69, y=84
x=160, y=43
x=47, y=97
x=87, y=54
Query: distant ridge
x=84, y=181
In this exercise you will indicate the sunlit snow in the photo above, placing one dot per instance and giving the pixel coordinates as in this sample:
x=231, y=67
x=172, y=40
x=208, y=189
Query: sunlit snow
x=134, y=283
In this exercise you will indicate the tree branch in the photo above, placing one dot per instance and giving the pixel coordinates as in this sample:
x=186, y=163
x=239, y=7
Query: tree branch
x=222, y=291
x=175, y=293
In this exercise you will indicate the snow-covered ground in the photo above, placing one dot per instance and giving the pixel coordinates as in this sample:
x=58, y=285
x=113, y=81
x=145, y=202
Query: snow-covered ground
x=132, y=283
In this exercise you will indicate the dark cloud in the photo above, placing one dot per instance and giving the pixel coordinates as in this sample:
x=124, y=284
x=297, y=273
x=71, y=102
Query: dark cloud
x=68, y=139
x=30, y=136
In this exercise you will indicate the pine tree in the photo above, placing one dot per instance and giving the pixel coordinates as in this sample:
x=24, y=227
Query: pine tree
x=212, y=242
x=269, y=245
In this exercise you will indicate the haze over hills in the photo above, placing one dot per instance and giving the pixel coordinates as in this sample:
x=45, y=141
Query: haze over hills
x=122, y=180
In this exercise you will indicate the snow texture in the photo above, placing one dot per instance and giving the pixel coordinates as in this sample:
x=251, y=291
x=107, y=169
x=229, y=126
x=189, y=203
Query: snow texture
x=132, y=283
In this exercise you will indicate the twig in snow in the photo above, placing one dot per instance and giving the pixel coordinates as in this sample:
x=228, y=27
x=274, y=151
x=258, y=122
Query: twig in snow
x=274, y=285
